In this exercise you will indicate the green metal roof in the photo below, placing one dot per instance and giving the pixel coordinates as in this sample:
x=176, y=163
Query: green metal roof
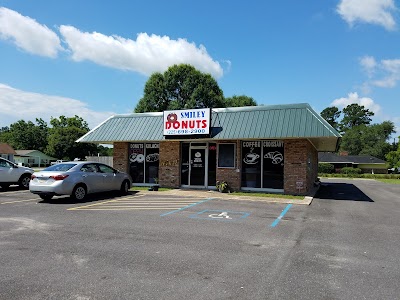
x=234, y=123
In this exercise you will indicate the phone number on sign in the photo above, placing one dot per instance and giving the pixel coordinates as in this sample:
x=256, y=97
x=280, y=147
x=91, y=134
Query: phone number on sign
x=185, y=131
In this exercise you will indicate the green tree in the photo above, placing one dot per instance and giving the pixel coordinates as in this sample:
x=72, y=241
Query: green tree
x=355, y=115
x=368, y=139
x=5, y=135
x=180, y=87
x=239, y=101
x=104, y=151
x=24, y=135
x=393, y=157
x=331, y=114
x=62, y=136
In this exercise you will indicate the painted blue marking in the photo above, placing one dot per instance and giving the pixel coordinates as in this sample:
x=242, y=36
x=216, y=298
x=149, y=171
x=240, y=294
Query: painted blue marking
x=220, y=215
x=185, y=207
x=281, y=215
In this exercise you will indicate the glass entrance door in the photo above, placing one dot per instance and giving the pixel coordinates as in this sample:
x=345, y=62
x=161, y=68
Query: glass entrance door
x=198, y=166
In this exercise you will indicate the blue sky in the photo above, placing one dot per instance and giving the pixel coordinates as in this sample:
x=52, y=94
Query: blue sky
x=93, y=58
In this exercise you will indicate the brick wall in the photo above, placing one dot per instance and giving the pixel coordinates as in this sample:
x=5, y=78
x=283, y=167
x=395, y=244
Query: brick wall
x=301, y=165
x=312, y=169
x=169, y=170
x=230, y=175
x=120, y=157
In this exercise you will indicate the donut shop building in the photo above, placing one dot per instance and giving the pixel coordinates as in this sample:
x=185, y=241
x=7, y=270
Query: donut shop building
x=256, y=148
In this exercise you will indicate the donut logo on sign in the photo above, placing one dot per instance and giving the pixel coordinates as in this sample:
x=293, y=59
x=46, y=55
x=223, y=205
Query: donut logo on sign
x=172, y=118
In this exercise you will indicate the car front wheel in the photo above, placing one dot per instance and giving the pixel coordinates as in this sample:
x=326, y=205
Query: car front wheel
x=79, y=193
x=125, y=187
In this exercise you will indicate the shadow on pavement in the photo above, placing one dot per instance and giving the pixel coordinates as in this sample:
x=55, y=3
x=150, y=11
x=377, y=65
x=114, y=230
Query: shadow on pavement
x=12, y=188
x=341, y=191
x=89, y=198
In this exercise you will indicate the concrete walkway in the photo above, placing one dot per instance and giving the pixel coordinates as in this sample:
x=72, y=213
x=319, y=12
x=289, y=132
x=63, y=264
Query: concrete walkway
x=232, y=196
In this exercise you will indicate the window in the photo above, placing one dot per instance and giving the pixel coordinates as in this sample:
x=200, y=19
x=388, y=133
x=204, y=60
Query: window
x=5, y=164
x=262, y=164
x=226, y=155
x=144, y=162
x=89, y=168
x=106, y=169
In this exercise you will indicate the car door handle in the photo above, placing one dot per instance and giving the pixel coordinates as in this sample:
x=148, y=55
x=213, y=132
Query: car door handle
x=85, y=175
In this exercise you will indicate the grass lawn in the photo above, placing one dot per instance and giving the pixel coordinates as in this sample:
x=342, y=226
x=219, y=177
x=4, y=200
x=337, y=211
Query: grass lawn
x=391, y=181
x=145, y=188
x=260, y=194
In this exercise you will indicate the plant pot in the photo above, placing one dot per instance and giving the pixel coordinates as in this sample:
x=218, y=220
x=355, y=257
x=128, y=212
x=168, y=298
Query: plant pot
x=155, y=188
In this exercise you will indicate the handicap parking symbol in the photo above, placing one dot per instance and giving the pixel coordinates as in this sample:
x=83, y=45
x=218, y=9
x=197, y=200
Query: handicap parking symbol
x=221, y=215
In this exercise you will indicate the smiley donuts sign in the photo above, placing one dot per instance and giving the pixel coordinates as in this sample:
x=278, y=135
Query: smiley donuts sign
x=187, y=122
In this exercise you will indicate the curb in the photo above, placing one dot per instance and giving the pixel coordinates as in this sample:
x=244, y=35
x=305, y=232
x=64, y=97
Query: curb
x=230, y=196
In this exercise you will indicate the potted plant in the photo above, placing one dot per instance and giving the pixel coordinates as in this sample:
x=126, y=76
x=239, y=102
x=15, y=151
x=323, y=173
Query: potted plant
x=222, y=186
x=155, y=187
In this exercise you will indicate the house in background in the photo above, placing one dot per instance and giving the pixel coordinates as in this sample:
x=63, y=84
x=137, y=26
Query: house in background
x=367, y=163
x=33, y=158
x=7, y=152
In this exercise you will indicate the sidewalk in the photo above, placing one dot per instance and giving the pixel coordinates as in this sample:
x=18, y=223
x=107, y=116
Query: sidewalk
x=231, y=196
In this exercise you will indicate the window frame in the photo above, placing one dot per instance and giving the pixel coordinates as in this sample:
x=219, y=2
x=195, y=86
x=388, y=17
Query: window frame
x=234, y=156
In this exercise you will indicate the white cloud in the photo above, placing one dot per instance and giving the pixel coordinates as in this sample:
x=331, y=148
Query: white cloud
x=369, y=64
x=354, y=98
x=392, y=69
x=16, y=105
x=146, y=55
x=377, y=12
x=385, y=73
x=28, y=34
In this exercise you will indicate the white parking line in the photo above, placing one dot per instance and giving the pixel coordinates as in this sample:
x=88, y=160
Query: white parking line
x=132, y=203
x=14, y=192
x=16, y=201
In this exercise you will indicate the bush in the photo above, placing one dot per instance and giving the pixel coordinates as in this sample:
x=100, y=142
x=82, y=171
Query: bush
x=351, y=171
x=325, y=168
x=222, y=186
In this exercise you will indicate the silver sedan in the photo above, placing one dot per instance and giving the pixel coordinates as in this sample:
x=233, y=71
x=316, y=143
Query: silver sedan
x=78, y=179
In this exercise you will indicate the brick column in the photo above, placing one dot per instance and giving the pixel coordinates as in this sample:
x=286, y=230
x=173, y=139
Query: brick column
x=120, y=157
x=169, y=170
x=230, y=175
x=312, y=167
x=301, y=163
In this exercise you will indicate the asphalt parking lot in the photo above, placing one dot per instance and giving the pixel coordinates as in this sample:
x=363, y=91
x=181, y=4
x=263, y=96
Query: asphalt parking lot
x=180, y=246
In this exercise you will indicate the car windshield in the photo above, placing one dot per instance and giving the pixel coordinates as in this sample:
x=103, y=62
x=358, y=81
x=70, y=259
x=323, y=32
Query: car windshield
x=60, y=167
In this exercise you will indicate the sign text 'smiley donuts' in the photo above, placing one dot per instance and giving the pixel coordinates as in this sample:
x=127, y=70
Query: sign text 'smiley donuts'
x=187, y=122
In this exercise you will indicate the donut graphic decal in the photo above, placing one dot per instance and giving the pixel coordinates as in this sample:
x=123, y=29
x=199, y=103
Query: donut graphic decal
x=152, y=157
x=134, y=157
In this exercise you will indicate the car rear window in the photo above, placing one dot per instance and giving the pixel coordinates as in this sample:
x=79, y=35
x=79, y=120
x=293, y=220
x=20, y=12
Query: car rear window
x=60, y=167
